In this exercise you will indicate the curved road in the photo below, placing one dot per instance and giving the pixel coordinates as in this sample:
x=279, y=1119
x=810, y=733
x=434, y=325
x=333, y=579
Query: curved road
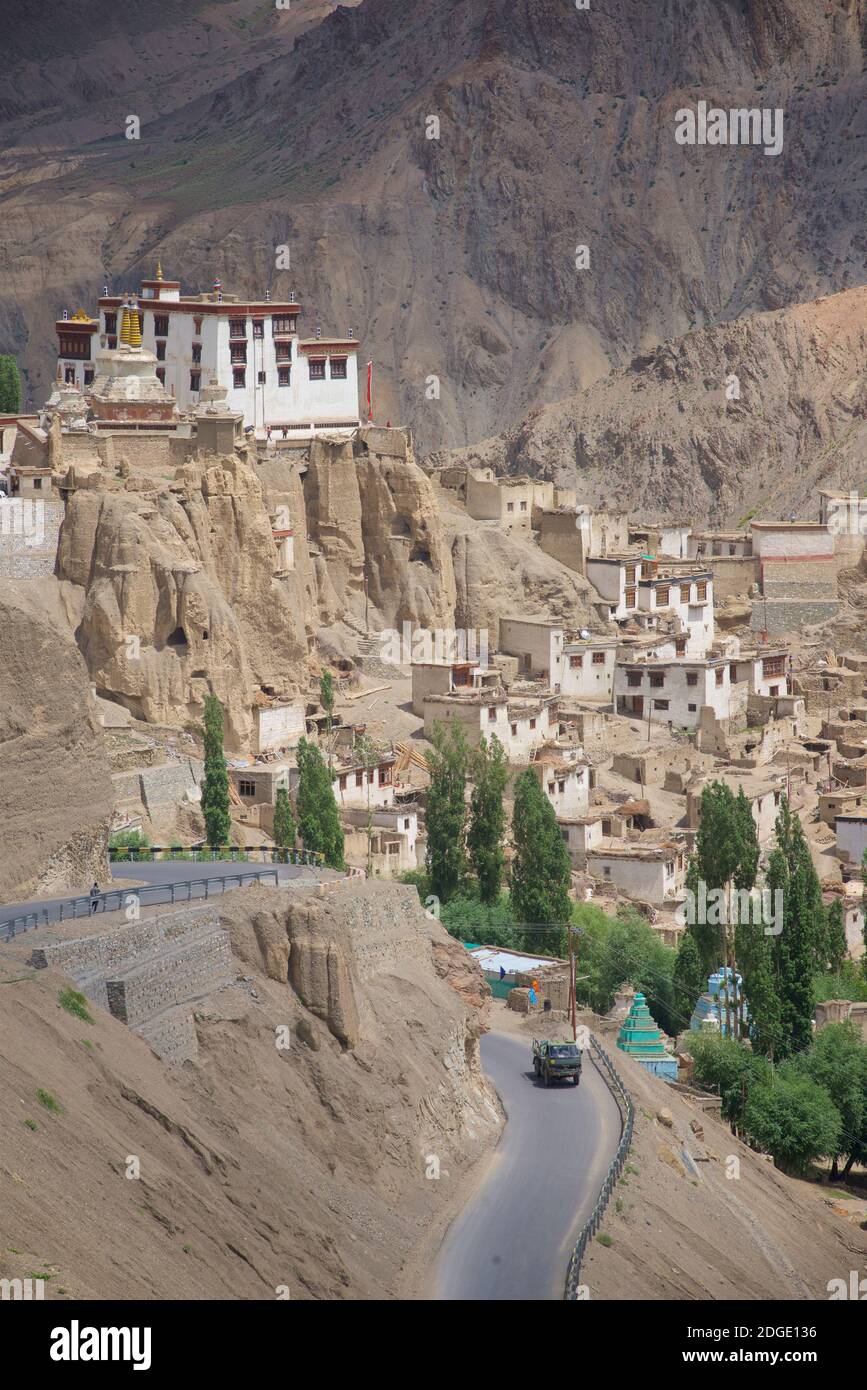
x=515, y=1235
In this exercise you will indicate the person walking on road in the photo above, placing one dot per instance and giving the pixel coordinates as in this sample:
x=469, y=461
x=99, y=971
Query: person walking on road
x=94, y=897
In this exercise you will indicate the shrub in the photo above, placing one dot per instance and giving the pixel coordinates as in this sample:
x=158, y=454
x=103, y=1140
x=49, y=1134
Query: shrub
x=794, y=1120
x=74, y=1003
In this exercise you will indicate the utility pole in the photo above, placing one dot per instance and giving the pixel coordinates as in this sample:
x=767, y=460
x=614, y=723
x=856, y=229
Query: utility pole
x=572, y=986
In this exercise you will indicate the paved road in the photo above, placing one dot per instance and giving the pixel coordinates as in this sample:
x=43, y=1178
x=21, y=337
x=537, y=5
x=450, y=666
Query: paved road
x=514, y=1238
x=167, y=871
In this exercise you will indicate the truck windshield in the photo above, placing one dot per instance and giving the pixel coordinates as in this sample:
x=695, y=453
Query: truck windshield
x=565, y=1050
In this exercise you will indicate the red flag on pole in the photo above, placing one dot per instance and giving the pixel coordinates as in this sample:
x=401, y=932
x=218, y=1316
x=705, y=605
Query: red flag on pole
x=370, y=393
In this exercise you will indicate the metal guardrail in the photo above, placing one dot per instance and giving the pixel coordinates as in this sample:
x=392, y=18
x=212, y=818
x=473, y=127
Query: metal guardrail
x=115, y=899
x=210, y=854
x=615, y=1168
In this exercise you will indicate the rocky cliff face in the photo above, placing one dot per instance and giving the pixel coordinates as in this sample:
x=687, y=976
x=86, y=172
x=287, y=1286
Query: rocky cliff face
x=177, y=586
x=454, y=256
x=180, y=593
x=55, y=790
x=371, y=511
x=753, y=416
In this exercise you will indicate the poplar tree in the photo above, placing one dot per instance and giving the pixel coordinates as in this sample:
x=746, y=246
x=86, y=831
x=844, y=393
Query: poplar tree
x=541, y=873
x=10, y=385
x=284, y=820
x=215, y=788
x=487, y=818
x=326, y=700
x=318, y=816
x=755, y=953
x=836, y=946
x=445, y=811
x=864, y=917
x=798, y=947
x=688, y=980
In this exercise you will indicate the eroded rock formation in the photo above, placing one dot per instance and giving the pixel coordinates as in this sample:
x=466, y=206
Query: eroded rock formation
x=181, y=594
x=371, y=509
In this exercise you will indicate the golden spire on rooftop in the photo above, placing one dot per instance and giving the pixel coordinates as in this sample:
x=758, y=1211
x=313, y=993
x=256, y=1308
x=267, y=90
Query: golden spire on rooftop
x=159, y=270
x=124, y=325
x=134, y=326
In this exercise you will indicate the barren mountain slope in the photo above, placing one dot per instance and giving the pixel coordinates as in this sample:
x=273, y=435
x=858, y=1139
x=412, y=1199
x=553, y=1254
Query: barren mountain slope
x=56, y=798
x=454, y=256
x=669, y=432
x=691, y=1224
x=303, y=1166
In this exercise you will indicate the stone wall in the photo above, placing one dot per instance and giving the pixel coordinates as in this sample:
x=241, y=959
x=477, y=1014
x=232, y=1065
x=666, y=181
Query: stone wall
x=148, y=973
x=781, y=616
x=733, y=575
x=166, y=786
x=28, y=537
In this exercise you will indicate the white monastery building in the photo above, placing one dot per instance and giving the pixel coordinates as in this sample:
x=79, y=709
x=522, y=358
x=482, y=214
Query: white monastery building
x=280, y=381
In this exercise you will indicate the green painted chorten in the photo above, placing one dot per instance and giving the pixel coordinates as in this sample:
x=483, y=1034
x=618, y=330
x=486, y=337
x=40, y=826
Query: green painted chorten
x=643, y=1040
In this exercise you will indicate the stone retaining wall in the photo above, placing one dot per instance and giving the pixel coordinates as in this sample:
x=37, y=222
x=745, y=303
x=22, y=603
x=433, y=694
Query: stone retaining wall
x=149, y=973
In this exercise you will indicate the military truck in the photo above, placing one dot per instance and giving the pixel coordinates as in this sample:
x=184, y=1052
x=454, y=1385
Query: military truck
x=556, y=1061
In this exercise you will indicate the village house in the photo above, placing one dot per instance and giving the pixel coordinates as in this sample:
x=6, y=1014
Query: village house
x=704, y=545
x=842, y=802
x=581, y=834
x=391, y=848
x=566, y=778
x=587, y=668
x=674, y=691
x=538, y=645
x=449, y=678
x=763, y=789
x=520, y=724
x=274, y=378
x=514, y=503
x=765, y=670
x=667, y=539
x=851, y=832
x=573, y=534
x=797, y=574
x=354, y=784
x=686, y=595
x=615, y=579
x=277, y=723
x=651, y=873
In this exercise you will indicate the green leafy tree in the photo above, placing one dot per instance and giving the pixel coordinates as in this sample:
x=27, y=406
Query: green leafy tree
x=846, y=983
x=541, y=873
x=728, y=1067
x=793, y=1119
x=284, y=820
x=468, y=919
x=837, y=1061
x=10, y=386
x=318, y=817
x=487, y=824
x=215, y=787
x=864, y=920
x=727, y=856
x=798, y=947
x=624, y=950
x=755, y=954
x=836, y=948
x=368, y=755
x=326, y=700
x=446, y=811
x=688, y=979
